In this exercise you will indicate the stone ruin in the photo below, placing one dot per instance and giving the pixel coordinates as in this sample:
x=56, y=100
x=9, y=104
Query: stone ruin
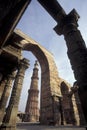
x=57, y=100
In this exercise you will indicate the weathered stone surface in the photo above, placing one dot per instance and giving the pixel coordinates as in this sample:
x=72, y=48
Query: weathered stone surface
x=50, y=86
x=49, y=76
x=2, y=85
x=12, y=12
x=9, y=121
x=5, y=96
x=77, y=51
x=56, y=105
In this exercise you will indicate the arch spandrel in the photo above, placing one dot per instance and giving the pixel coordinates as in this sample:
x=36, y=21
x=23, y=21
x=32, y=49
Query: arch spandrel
x=50, y=84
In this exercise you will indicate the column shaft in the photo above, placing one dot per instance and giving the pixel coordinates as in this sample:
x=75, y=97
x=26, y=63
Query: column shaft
x=76, y=114
x=57, y=111
x=9, y=121
x=79, y=108
x=77, y=53
x=5, y=96
x=2, y=85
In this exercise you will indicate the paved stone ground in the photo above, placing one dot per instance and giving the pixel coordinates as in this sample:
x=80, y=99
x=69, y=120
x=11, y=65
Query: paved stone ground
x=28, y=126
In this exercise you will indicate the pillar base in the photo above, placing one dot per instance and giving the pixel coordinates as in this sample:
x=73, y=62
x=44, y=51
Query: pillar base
x=7, y=127
x=2, y=113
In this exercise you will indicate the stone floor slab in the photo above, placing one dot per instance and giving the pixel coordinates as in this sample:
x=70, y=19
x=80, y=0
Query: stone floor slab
x=27, y=126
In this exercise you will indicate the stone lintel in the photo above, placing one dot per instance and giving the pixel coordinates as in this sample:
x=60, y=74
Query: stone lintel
x=12, y=13
x=53, y=8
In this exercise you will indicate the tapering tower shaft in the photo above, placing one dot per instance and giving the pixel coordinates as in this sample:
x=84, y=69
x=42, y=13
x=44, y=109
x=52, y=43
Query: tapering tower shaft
x=32, y=110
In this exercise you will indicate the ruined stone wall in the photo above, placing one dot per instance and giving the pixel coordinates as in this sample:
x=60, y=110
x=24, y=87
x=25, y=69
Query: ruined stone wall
x=49, y=76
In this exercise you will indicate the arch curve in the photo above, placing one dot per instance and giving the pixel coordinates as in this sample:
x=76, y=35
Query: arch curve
x=50, y=84
x=38, y=53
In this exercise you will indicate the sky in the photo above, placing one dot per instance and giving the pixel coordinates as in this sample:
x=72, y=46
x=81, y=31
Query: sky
x=38, y=25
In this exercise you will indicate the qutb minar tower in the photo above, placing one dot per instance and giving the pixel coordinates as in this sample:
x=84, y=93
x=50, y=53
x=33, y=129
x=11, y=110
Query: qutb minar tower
x=32, y=109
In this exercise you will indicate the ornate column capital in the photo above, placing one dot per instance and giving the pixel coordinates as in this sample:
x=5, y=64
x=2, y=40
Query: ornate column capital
x=24, y=63
x=68, y=23
x=11, y=75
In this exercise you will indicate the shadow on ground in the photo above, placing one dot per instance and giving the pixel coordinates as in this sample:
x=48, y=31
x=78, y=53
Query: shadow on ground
x=30, y=126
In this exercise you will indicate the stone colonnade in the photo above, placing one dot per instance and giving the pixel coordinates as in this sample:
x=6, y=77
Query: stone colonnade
x=6, y=85
x=50, y=84
x=67, y=25
x=8, y=120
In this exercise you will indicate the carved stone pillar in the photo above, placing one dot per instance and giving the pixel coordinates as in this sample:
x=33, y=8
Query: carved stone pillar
x=77, y=52
x=5, y=95
x=78, y=112
x=75, y=109
x=2, y=85
x=80, y=116
x=9, y=122
x=57, y=113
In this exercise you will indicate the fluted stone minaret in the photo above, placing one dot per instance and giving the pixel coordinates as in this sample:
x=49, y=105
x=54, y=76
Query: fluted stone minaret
x=32, y=109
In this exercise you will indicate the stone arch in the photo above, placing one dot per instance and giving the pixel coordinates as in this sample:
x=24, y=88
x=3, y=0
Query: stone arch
x=50, y=84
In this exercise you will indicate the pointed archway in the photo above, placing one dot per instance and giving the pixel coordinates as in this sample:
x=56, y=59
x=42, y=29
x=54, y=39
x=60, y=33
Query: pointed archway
x=50, y=81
